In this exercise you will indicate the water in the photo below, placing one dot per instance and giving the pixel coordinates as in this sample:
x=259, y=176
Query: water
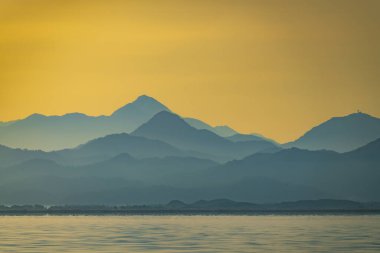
x=190, y=233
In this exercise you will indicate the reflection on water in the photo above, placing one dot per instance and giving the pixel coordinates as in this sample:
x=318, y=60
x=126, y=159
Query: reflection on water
x=190, y=233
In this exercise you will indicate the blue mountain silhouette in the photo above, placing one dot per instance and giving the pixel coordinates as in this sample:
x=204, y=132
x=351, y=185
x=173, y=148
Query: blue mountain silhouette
x=340, y=133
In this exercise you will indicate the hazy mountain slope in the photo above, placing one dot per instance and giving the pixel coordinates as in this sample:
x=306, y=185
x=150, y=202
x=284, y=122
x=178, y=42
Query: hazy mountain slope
x=58, y=132
x=301, y=205
x=288, y=175
x=170, y=128
x=53, y=132
x=111, y=145
x=367, y=153
x=94, y=151
x=344, y=176
x=9, y=156
x=170, y=171
x=44, y=181
x=341, y=134
x=223, y=131
x=249, y=137
x=138, y=112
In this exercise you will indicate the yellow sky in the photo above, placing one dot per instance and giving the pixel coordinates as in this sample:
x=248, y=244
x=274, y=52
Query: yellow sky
x=272, y=67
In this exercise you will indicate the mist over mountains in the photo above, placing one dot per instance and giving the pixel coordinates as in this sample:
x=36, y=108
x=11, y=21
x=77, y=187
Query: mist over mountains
x=70, y=130
x=287, y=175
x=144, y=154
x=171, y=128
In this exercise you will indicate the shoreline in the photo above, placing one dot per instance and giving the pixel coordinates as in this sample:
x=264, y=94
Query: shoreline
x=186, y=212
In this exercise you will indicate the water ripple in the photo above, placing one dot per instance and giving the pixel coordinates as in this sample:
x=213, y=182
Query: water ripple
x=166, y=234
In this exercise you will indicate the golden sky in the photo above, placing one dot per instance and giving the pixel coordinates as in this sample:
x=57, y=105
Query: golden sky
x=271, y=67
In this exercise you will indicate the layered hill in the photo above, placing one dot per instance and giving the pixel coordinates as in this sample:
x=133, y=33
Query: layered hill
x=164, y=157
x=353, y=175
x=224, y=131
x=58, y=132
x=287, y=175
x=171, y=128
x=340, y=134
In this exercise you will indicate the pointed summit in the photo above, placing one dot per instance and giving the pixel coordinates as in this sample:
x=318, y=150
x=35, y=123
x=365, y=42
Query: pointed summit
x=145, y=100
x=138, y=112
x=168, y=118
x=166, y=123
x=144, y=97
x=359, y=115
x=142, y=105
x=172, y=129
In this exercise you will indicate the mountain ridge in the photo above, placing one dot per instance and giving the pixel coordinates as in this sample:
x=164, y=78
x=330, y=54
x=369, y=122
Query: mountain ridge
x=171, y=128
x=288, y=175
x=56, y=132
x=340, y=134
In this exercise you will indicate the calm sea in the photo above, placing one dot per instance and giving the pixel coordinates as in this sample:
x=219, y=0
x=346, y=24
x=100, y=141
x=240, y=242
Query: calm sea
x=190, y=233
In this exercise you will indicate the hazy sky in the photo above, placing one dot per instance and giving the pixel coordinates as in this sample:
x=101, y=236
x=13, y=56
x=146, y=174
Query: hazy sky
x=272, y=67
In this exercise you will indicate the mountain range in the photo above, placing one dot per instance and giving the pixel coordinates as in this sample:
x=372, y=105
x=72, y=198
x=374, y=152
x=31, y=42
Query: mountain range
x=145, y=154
x=214, y=206
x=287, y=175
x=40, y=132
x=340, y=134
x=70, y=130
x=48, y=133
x=171, y=128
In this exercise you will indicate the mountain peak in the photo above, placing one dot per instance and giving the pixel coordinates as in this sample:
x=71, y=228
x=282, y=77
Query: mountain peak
x=144, y=97
x=167, y=115
x=359, y=114
x=35, y=116
x=341, y=134
x=358, y=117
x=223, y=131
x=166, y=119
x=142, y=105
x=145, y=100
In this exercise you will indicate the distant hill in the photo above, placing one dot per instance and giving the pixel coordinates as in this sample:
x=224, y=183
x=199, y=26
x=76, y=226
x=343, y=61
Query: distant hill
x=249, y=137
x=368, y=152
x=111, y=145
x=96, y=150
x=58, y=132
x=10, y=156
x=165, y=158
x=354, y=175
x=227, y=132
x=214, y=206
x=287, y=175
x=223, y=131
x=300, y=205
x=139, y=111
x=40, y=132
x=168, y=127
x=104, y=148
x=219, y=204
x=340, y=134
x=124, y=177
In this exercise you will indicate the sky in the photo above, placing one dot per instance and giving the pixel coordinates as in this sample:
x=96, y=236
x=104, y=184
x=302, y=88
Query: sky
x=272, y=67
